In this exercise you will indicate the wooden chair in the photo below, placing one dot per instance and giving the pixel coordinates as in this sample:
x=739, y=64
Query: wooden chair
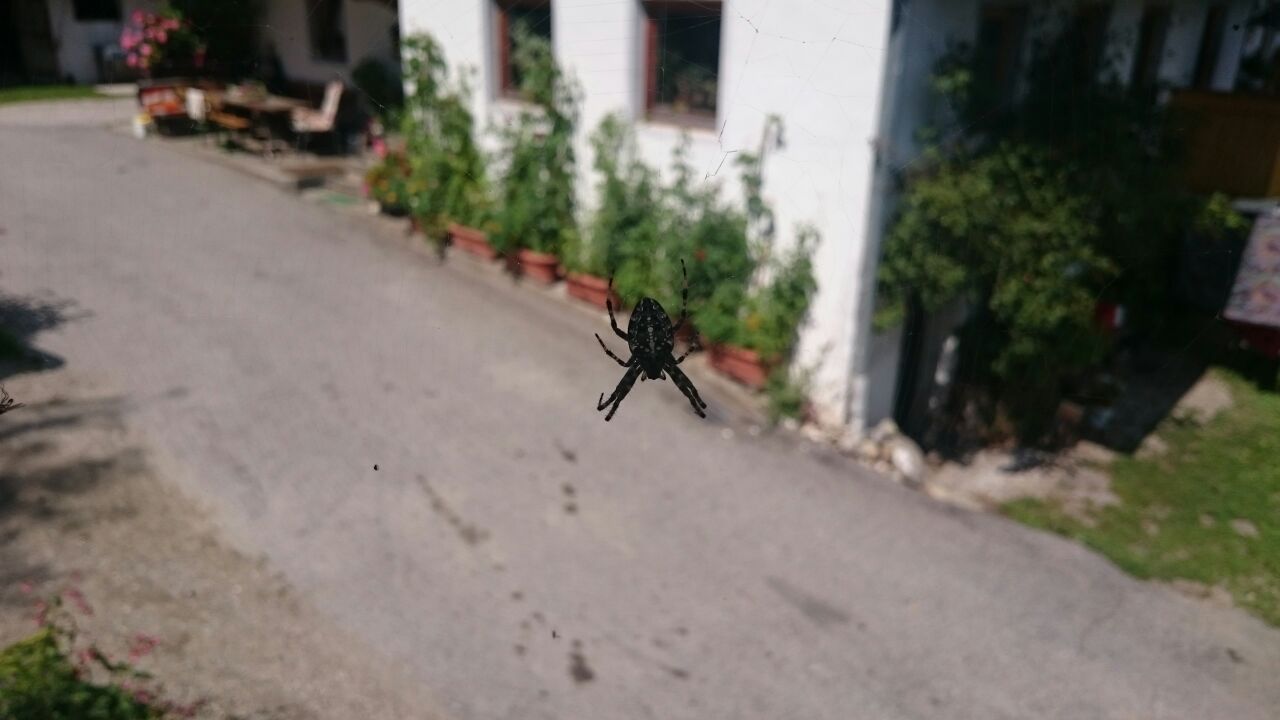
x=308, y=123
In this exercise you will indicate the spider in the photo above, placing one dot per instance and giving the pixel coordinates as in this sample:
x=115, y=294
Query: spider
x=7, y=403
x=651, y=338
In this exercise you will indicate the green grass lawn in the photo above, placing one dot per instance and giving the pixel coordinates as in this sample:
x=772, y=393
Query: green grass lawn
x=30, y=93
x=1176, y=510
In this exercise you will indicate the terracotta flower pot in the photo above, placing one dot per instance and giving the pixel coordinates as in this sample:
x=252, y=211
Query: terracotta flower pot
x=472, y=241
x=745, y=366
x=591, y=289
x=687, y=334
x=539, y=267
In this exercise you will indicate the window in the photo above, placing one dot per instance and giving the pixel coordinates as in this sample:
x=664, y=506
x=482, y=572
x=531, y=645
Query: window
x=325, y=23
x=1151, y=38
x=534, y=17
x=1086, y=39
x=999, y=52
x=1210, y=46
x=97, y=9
x=682, y=61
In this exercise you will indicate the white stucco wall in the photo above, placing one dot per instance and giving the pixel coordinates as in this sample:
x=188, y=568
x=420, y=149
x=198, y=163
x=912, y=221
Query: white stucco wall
x=367, y=28
x=819, y=66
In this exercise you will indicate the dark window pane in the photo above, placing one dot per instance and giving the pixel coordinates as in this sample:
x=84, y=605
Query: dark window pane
x=686, y=62
x=536, y=21
x=325, y=22
x=1210, y=46
x=97, y=9
x=998, y=53
x=1151, y=37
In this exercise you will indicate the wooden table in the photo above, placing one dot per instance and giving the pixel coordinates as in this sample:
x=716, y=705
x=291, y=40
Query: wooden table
x=265, y=118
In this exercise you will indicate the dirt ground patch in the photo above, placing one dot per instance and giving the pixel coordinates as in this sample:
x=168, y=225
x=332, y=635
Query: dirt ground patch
x=84, y=501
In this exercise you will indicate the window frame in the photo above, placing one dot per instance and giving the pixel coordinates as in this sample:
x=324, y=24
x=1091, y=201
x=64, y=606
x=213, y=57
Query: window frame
x=1153, y=38
x=653, y=111
x=317, y=48
x=1209, y=53
x=504, y=78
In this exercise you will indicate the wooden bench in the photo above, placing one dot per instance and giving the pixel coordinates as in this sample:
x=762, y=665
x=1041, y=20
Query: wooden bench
x=229, y=121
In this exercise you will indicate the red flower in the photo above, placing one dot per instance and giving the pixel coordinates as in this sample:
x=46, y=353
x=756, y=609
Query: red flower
x=142, y=646
x=78, y=600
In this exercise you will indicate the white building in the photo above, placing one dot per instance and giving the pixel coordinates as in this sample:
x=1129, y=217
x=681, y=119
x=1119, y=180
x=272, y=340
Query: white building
x=850, y=81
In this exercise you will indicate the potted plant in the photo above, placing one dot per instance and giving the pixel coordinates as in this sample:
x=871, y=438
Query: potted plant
x=711, y=236
x=448, y=192
x=625, y=237
x=536, y=210
x=387, y=183
x=161, y=44
x=763, y=335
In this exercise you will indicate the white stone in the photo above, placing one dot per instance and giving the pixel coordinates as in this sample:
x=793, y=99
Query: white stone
x=1244, y=528
x=886, y=429
x=907, y=459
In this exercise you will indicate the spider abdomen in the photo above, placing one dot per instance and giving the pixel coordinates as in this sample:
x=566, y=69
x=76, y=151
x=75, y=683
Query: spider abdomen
x=650, y=331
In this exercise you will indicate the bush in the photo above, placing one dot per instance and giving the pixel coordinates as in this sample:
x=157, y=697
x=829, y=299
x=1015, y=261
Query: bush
x=537, y=205
x=389, y=183
x=50, y=675
x=381, y=87
x=1031, y=212
x=627, y=233
x=775, y=310
x=712, y=235
x=446, y=167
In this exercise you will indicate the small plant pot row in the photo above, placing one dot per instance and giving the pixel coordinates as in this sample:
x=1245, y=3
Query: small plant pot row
x=740, y=364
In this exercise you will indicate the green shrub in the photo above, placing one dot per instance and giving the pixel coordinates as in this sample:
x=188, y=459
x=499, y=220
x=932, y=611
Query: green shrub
x=627, y=232
x=389, y=183
x=1031, y=212
x=712, y=236
x=51, y=675
x=787, y=393
x=380, y=85
x=446, y=168
x=537, y=198
x=775, y=310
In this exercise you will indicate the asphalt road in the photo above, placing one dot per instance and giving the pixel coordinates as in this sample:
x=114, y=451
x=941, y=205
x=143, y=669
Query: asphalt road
x=520, y=556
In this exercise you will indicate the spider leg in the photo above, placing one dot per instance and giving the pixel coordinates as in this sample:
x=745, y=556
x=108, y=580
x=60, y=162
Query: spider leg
x=609, y=352
x=683, y=382
x=684, y=299
x=692, y=346
x=608, y=303
x=624, y=387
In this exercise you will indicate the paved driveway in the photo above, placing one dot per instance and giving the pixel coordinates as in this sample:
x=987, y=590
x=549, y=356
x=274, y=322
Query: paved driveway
x=521, y=557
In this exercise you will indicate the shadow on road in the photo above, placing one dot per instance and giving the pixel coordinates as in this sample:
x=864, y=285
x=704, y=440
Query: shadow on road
x=38, y=481
x=21, y=319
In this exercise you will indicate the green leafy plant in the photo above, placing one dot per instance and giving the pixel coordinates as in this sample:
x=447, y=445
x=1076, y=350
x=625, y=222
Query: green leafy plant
x=626, y=234
x=774, y=311
x=712, y=236
x=787, y=393
x=388, y=182
x=57, y=673
x=381, y=87
x=1030, y=211
x=537, y=197
x=447, y=181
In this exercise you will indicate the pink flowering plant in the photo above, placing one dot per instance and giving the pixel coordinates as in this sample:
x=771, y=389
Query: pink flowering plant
x=60, y=673
x=160, y=39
